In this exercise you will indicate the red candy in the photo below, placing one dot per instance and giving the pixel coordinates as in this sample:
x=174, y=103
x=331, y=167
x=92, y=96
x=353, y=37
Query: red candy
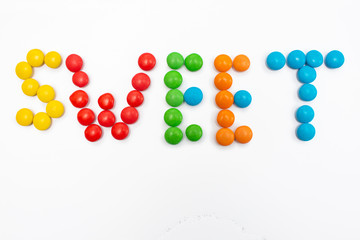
x=106, y=101
x=140, y=81
x=120, y=131
x=74, y=63
x=93, y=132
x=135, y=98
x=86, y=116
x=80, y=79
x=129, y=115
x=79, y=99
x=146, y=61
x=106, y=118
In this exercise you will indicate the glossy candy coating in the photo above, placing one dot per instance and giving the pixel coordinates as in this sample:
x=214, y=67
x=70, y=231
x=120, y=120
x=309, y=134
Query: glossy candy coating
x=23, y=70
x=52, y=59
x=135, y=98
x=193, y=96
x=305, y=114
x=93, y=132
x=241, y=63
x=225, y=118
x=173, y=135
x=307, y=92
x=173, y=79
x=106, y=118
x=174, y=97
x=55, y=109
x=275, y=61
x=74, y=63
x=296, y=59
x=106, y=101
x=242, y=98
x=306, y=74
x=314, y=58
x=305, y=132
x=225, y=136
x=46, y=93
x=79, y=99
x=141, y=81
x=223, y=81
x=334, y=59
x=24, y=117
x=224, y=99
x=42, y=121
x=129, y=115
x=80, y=79
x=35, y=57
x=173, y=117
x=146, y=61
x=223, y=63
x=86, y=116
x=193, y=62
x=175, y=60
x=243, y=134
x=120, y=131
x=194, y=132
x=30, y=87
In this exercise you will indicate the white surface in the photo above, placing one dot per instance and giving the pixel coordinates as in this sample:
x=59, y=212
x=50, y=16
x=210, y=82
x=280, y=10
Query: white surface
x=56, y=185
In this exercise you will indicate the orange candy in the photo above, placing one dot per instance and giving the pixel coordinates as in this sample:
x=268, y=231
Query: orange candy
x=225, y=118
x=225, y=136
x=223, y=81
x=243, y=134
x=224, y=99
x=241, y=63
x=222, y=63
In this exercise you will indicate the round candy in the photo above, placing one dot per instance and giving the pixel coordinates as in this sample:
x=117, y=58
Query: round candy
x=307, y=92
x=129, y=115
x=296, y=59
x=314, y=59
x=193, y=96
x=74, y=63
x=35, y=57
x=30, y=87
x=93, y=132
x=173, y=135
x=55, y=109
x=334, y=59
x=223, y=63
x=223, y=81
x=146, y=61
x=193, y=62
x=241, y=63
x=135, y=98
x=225, y=118
x=224, y=99
x=275, y=61
x=106, y=101
x=23, y=70
x=46, y=93
x=24, y=117
x=120, y=131
x=174, y=97
x=193, y=132
x=175, y=60
x=140, y=81
x=225, y=136
x=305, y=114
x=42, y=121
x=173, y=79
x=106, y=118
x=243, y=134
x=80, y=79
x=242, y=98
x=86, y=116
x=305, y=132
x=53, y=59
x=173, y=117
x=306, y=74
x=79, y=99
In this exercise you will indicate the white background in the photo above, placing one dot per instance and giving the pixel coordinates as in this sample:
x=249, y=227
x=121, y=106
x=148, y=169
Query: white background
x=56, y=185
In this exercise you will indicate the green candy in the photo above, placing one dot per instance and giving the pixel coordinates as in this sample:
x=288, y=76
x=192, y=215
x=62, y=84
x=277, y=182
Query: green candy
x=173, y=79
x=175, y=60
x=193, y=132
x=173, y=117
x=193, y=62
x=173, y=135
x=174, y=97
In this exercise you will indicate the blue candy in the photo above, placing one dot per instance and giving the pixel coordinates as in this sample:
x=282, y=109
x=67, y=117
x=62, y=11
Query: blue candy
x=296, y=59
x=275, y=61
x=306, y=74
x=307, y=92
x=193, y=96
x=305, y=132
x=242, y=98
x=334, y=59
x=305, y=114
x=314, y=59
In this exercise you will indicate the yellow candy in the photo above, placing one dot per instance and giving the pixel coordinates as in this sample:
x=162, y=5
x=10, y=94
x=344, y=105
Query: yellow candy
x=23, y=70
x=30, y=87
x=46, y=93
x=35, y=57
x=53, y=59
x=24, y=117
x=55, y=109
x=42, y=121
